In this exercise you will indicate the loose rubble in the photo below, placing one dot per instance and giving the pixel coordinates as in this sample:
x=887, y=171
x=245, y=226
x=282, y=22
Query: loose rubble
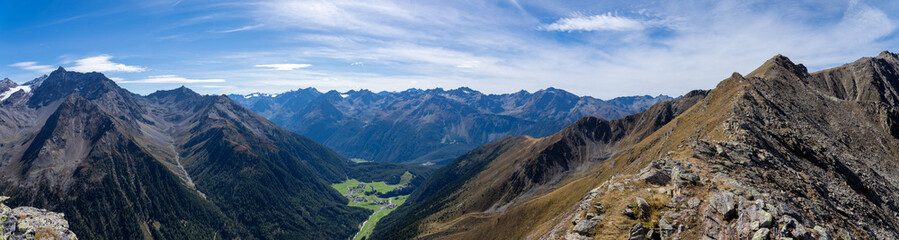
x=701, y=205
x=32, y=223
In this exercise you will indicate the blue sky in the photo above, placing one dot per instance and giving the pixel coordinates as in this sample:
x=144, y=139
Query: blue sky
x=597, y=48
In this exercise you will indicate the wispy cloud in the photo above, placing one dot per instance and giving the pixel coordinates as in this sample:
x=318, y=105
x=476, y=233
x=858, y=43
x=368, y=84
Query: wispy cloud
x=606, y=21
x=240, y=29
x=101, y=63
x=601, y=48
x=284, y=66
x=33, y=66
x=172, y=79
x=218, y=86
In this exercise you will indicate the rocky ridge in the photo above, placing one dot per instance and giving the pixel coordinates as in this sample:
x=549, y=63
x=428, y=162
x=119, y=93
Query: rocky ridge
x=779, y=153
x=32, y=223
x=798, y=156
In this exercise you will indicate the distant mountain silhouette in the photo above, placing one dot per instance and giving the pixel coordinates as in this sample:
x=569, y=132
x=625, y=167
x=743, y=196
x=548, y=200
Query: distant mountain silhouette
x=434, y=125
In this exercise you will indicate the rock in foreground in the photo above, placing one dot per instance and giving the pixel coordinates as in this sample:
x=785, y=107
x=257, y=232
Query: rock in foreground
x=32, y=223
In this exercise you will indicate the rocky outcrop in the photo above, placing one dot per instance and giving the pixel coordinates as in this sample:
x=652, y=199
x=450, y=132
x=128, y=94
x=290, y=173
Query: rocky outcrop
x=32, y=223
x=714, y=206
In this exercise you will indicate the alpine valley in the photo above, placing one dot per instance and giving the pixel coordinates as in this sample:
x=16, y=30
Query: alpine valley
x=170, y=165
x=776, y=153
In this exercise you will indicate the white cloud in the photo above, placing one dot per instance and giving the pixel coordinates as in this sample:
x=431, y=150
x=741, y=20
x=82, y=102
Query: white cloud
x=101, y=63
x=117, y=79
x=368, y=16
x=173, y=79
x=284, y=67
x=606, y=22
x=240, y=29
x=651, y=48
x=218, y=86
x=33, y=67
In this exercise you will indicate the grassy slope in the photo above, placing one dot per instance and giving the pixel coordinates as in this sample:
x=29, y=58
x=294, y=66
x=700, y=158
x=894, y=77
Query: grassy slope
x=366, y=230
x=427, y=219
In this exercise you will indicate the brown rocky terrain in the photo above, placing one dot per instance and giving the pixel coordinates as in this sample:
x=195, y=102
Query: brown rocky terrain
x=779, y=153
x=31, y=223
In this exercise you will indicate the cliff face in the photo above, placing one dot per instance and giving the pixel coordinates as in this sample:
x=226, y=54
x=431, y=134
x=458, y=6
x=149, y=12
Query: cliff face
x=32, y=223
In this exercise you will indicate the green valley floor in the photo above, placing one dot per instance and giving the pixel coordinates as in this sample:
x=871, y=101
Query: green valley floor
x=365, y=195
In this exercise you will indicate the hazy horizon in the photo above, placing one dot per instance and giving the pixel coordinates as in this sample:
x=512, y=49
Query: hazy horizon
x=604, y=49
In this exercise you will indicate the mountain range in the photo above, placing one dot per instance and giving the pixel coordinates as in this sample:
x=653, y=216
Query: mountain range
x=170, y=165
x=429, y=126
x=779, y=153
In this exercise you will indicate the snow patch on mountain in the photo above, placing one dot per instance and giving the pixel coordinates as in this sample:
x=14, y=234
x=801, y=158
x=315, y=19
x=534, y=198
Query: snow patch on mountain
x=8, y=93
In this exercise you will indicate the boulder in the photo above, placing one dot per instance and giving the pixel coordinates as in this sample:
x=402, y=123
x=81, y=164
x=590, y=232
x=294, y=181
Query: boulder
x=688, y=178
x=638, y=232
x=655, y=177
x=724, y=203
x=765, y=219
x=693, y=202
x=575, y=236
x=585, y=227
x=643, y=206
x=761, y=234
x=822, y=233
x=598, y=207
x=629, y=213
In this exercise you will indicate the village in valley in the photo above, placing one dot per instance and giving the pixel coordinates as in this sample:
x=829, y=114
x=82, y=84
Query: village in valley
x=360, y=194
x=379, y=197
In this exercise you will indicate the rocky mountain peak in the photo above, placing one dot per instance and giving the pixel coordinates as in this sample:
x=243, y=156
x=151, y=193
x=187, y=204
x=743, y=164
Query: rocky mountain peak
x=886, y=54
x=777, y=66
x=6, y=84
x=177, y=94
x=36, y=82
x=61, y=83
x=890, y=57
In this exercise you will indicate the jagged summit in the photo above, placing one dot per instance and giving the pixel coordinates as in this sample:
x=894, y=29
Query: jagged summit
x=7, y=84
x=778, y=64
x=61, y=83
x=178, y=94
x=36, y=81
